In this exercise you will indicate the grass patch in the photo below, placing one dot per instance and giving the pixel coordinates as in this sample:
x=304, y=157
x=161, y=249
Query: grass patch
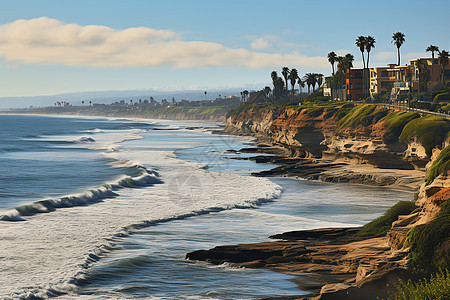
x=381, y=225
x=430, y=131
x=439, y=166
x=363, y=115
x=435, y=288
x=430, y=243
x=395, y=122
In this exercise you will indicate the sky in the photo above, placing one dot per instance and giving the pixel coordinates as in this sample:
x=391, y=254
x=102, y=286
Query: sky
x=49, y=47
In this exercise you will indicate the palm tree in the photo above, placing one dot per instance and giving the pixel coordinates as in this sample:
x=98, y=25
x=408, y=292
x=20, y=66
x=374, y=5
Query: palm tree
x=443, y=57
x=332, y=59
x=432, y=49
x=310, y=80
x=369, y=44
x=293, y=75
x=361, y=44
x=245, y=92
x=398, y=39
x=267, y=90
x=90, y=103
x=274, y=76
x=319, y=79
x=301, y=84
x=285, y=72
x=82, y=102
x=205, y=95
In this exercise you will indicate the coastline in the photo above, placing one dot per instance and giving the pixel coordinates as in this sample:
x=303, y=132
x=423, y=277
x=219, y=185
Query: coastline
x=331, y=170
x=344, y=249
x=330, y=257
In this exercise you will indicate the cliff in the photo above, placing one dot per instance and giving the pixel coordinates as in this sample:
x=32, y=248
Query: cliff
x=408, y=242
x=353, y=265
x=372, y=144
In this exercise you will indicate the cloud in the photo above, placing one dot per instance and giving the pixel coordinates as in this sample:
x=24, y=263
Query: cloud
x=260, y=43
x=263, y=42
x=50, y=41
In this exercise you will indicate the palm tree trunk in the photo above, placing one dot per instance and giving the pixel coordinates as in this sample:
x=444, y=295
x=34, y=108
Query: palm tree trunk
x=398, y=55
x=364, y=76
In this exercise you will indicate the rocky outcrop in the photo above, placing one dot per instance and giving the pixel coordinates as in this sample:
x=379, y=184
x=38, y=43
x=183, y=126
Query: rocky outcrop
x=342, y=259
x=317, y=132
x=348, y=154
x=351, y=266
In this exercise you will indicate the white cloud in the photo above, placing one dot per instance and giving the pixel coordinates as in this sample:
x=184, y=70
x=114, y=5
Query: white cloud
x=263, y=42
x=50, y=41
x=260, y=43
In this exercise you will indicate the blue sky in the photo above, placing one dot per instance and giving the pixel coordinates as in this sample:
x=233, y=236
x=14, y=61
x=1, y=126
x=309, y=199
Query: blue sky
x=173, y=45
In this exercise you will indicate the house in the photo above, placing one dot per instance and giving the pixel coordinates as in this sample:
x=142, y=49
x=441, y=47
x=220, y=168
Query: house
x=431, y=71
x=383, y=79
x=354, y=84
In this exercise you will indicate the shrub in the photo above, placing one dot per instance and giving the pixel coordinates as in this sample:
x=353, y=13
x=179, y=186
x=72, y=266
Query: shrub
x=442, y=97
x=430, y=243
x=395, y=122
x=381, y=225
x=439, y=166
x=430, y=131
x=436, y=288
x=362, y=114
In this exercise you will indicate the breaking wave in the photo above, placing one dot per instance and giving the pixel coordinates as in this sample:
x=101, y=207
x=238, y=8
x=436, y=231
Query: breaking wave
x=66, y=287
x=143, y=178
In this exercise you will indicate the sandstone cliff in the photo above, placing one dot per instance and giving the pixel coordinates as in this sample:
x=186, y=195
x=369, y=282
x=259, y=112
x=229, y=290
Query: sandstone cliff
x=375, y=145
x=366, y=140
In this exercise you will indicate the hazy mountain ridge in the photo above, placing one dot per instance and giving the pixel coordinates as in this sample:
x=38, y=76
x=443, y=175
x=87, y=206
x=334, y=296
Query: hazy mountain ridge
x=106, y=97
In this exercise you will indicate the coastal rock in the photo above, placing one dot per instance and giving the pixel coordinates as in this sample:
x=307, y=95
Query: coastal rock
x=353, y=155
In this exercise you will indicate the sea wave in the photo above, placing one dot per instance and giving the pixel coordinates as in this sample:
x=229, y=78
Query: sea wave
x=93, y=195
x=72, y=284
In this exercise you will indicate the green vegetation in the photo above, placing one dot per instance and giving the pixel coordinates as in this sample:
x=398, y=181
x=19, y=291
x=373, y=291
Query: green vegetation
x=439, y=166
x=363, y=115
x=430, y=131
x=395, y=122
x=381, y=225
x=436, y=288
x=442, y=97
x=430, y=243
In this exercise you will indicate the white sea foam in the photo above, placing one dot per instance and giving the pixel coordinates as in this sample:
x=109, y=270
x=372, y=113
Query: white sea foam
x=48, y=253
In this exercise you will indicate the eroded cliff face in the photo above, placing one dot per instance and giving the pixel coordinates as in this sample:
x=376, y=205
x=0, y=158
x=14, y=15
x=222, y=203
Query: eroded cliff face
x=430, y=198
x=316, y=134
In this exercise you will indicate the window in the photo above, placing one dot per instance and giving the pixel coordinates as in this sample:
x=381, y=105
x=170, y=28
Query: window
x=384, y=73
x=357, y=86
x=357, y=75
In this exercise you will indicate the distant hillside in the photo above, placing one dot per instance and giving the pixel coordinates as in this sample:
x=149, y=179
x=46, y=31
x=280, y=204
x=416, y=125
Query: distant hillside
x=113, y=96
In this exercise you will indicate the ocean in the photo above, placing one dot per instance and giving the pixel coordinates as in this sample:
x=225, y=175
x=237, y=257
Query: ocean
x=107, y=208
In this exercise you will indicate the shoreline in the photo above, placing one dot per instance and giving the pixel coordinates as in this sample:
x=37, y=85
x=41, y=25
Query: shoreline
x=289, y=167
x=329, y=169
x=308, y=253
